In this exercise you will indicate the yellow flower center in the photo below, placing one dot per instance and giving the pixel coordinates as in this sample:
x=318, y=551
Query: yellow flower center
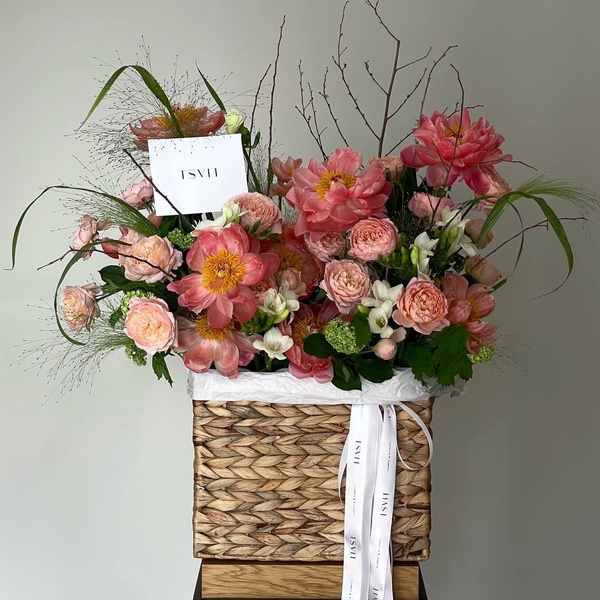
x=289, y=259
x=222, y=272
x=475, y=312
x=330, y=177
x=305, y=327
x=455, y=131
x=210, y=333
x=185, y=115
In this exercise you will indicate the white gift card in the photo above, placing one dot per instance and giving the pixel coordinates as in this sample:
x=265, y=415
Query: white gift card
x=197, y=175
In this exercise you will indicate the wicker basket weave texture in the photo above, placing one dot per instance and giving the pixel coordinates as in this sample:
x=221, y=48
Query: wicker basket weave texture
x=265, y=482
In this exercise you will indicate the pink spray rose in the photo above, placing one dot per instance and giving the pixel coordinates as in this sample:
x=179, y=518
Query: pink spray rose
x=424, y=205
x=346, y=283
x=138, y=194
x=473, y=230
x=79, y=305
x=482, y=271
x=293, y=278
x=257, y=208
x=497, y=186
x=150, y=259
x=150, y=324
x=331, y=196
x=386, y=349
x=392, y=164
x=261, y=288
x=452, y=147
x=332, y=244
x=86, y=232
x=371, y=238
x=422, y=306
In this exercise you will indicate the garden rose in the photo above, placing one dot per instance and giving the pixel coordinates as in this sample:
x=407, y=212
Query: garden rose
x=371, y=238
x=150, y=259
x=346, y=283
x=482, y=271
x=424, y=205
x=422, y=306
x=138, y=194
x=150, y=324
x=79, y=306
x=257, y=208
x=326, y=248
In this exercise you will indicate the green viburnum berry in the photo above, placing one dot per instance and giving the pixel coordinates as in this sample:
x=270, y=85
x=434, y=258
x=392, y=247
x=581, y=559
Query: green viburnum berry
x=485, y=354
x=135, y=294
x=341, y=335
x=182, y=240
x=137, y=355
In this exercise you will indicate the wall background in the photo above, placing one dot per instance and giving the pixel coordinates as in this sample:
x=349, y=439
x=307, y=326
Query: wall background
x=96, y=488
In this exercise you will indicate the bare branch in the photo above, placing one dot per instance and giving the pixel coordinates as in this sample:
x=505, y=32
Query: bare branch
x=308, y=119
x=458, y=134
x=388, y=96
x=254, y=107
x=269, y=148
x=409, y=95
x=435, y=64
x=325, y=97
x=374, y=7
x=373, y=77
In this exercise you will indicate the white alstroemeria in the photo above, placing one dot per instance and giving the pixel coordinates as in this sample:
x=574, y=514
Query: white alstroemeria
x=275, y=305
x=291, y=297
x=421, y=251
x=454, y=236
x=382, y=292
x=233, y=121
x=230, y=213
x=274, y=343
x=379, y=317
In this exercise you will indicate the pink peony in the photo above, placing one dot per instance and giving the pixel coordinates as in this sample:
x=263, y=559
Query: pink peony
x=79, y=305
x=149, y=259
x=138, y=194
x=150, y=324
x=283, y=171
x=258, y=211
x=422, y=306
x=473, y=230
x=392, y=164
x=308, y=320
x=424, y=205
x=193, y=122
x=497, y=187
x=386, y=349
x=372, y=238
x=346, y=283
x=331, y=197
x=225, y=266
x=482, y=271
x=327, y=247
x=87, y=232
x=204, y=345
x=452, y=147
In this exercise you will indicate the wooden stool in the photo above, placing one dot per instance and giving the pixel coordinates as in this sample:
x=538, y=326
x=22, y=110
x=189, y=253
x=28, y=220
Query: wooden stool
x=303, y=581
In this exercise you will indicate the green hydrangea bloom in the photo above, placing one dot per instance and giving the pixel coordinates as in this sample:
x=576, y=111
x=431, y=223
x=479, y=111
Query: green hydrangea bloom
x=135, y=294
x=341, y=335
x=180, y=239
x=137, y=355
x=485, y=354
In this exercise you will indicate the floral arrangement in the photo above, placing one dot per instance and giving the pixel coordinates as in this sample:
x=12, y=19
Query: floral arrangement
x=338, y=268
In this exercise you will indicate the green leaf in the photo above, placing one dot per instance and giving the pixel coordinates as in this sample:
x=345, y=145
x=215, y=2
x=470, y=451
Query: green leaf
x=316, y=345
x=151, y=84
x=419, y=358
x=362, y=330
x=115, y=317
x=345, y=376
x=159, y=366
x=212, y=91
x=115, y=275
x=522, y=242
x=449, y=369
x=374, y=369
x=451, y=354
x=495, y=214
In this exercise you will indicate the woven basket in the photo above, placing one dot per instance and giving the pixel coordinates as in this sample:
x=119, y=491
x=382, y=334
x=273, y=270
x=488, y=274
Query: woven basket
x=265, y=482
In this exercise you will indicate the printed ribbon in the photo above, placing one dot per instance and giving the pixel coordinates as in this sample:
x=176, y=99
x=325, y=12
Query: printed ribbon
x=369, y=460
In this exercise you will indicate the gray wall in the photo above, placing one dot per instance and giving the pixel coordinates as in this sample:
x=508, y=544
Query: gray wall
x=96, y=488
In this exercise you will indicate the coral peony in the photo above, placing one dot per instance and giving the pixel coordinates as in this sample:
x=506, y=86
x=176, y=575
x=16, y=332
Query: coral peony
x=225, y=267
x=346, y=283
x=371, y=238
x=497, y=187
x=79, y=306
x=149, y=259
x=452, y=147
x=422, y=306
x=193, y=122
x=258, y=211
x=425, y=205
x=331, y=197
x=150, y=324
x=204, y=345
x=283, y=171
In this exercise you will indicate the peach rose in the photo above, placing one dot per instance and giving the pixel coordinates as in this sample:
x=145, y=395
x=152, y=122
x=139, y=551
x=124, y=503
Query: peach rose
x=150, y=324
x=150, y=259
x=346, y=283
x=424, y=205
x=326, y=248
x=259, y=209
x=79, y=305
x=422, y=306
x=473, y=229
x=482, y=271
x=372, y=238
x=138, y=194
